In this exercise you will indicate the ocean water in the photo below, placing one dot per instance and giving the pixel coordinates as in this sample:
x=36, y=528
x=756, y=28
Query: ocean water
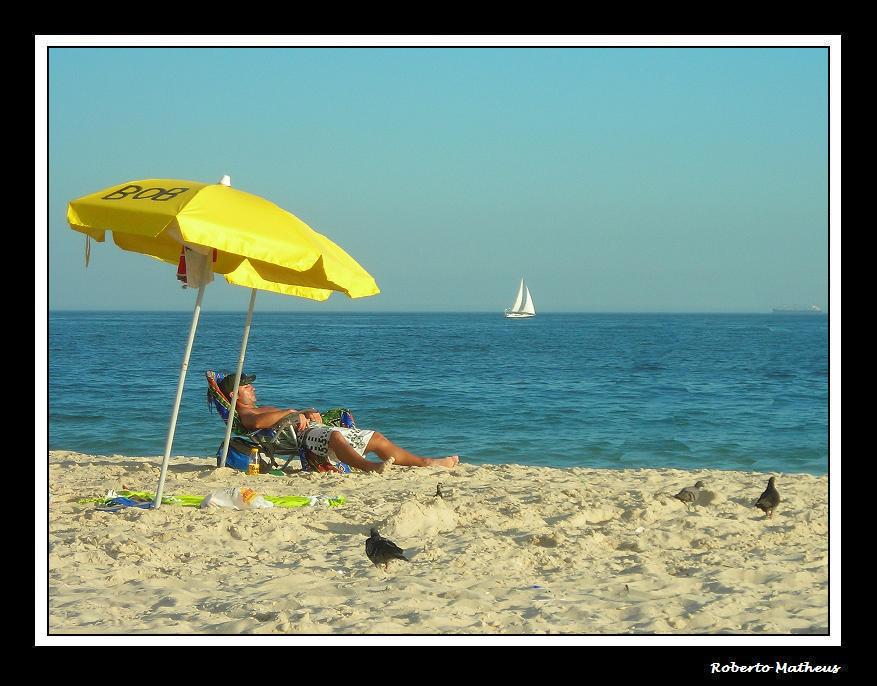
x=742, y=392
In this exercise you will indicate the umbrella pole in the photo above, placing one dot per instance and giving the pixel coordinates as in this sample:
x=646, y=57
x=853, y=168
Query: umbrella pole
x=184, y=367
x=237, y=381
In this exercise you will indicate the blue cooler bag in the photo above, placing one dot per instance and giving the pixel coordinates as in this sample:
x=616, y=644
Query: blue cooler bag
x=238, y=455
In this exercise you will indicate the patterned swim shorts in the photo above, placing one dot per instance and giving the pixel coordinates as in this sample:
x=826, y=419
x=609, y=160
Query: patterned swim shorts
x=316, y=439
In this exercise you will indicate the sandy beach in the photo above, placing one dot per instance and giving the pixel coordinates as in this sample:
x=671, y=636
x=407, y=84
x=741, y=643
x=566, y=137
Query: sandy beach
x=510, y=549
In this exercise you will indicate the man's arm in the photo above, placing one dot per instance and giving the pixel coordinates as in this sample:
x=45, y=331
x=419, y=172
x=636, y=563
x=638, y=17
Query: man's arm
x=262, y=417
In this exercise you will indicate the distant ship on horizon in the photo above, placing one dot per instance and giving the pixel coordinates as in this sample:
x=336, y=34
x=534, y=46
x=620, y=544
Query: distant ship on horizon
x=791, y=309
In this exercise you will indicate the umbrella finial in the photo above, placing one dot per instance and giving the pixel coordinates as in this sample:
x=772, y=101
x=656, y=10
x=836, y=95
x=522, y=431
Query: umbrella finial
x=225, y=180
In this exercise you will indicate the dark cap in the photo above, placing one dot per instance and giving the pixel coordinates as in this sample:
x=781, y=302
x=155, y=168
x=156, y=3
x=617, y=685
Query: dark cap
x=227, y=383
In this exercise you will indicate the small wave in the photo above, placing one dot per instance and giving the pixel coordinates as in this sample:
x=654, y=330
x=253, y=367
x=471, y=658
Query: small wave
x=648, y=367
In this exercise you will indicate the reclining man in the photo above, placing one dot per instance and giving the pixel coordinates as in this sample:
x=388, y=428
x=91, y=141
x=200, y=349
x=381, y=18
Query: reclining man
x=345, y=444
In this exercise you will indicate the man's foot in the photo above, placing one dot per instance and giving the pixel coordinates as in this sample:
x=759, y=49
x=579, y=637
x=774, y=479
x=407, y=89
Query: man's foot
x=450, y=462
x=384, y=465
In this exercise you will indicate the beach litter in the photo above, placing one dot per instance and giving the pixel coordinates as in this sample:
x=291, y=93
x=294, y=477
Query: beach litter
x=237, y=498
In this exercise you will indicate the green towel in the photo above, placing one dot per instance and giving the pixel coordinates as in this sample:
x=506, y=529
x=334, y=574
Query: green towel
x=195, y=500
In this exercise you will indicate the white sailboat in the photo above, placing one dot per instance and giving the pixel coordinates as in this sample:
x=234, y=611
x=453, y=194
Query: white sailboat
x=523, y=306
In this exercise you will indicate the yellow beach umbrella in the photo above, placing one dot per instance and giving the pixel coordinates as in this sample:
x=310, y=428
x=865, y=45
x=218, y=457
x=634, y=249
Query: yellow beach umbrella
x=259, y=245
x=213, y=228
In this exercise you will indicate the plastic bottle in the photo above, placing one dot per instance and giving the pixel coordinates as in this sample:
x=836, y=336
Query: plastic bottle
x=253, y=466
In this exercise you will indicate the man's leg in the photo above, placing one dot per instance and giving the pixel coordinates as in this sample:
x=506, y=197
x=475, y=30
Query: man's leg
x=384, y=448
x=345, y=452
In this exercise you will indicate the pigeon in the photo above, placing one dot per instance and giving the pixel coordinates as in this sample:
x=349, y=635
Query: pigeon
x=769, y=499
x=688, y=495
x=381, y=550
x=438, y=491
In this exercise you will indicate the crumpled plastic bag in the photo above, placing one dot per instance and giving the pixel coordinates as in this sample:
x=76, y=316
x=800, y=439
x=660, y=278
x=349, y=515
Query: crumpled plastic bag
x=237, y=498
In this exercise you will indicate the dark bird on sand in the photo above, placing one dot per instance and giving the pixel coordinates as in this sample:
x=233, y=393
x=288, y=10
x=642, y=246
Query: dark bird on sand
x=438, y=491
x=382, y=550
x=688, y=495
x=769, y=499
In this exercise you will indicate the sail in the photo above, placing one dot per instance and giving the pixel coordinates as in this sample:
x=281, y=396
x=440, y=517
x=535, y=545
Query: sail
x=528, y=304
x=520, y=298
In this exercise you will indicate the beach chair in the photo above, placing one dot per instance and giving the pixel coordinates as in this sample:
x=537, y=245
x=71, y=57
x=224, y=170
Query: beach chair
x=278, y=441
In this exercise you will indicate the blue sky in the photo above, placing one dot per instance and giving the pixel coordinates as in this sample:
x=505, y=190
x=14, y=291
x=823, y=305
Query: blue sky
x=612, y=179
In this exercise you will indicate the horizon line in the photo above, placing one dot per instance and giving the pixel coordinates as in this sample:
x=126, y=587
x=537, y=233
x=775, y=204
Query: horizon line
x=493, y=312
